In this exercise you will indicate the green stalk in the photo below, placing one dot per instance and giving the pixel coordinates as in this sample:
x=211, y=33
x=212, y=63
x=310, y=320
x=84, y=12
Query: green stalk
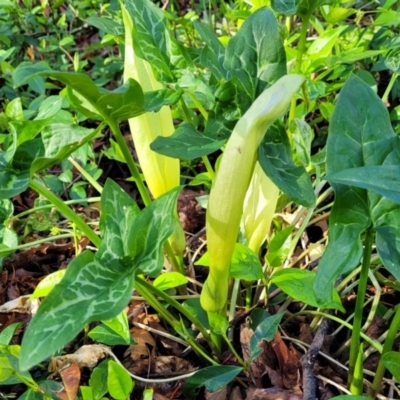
x=130, y=161
x=86, y=175
x=147, y=290
x=362, y=288
x=179, y=307
x=66, y=211
x=389, y=87
x=301, y=48
x=36, y=243
x=45, y=206
x=387, y=346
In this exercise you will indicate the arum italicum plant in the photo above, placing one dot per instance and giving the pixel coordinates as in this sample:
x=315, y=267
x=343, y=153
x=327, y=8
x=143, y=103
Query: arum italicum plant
x=225, y=205
x=161, y=173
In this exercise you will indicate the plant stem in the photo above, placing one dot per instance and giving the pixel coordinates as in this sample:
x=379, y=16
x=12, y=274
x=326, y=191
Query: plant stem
x=389, y=87
x=86, y=175
x=362, y=288
x=301, y=47
x=45, y=206
x=372, y=342
x=66, y=211
x=147, y=290
x=387, y=346
x=36, y=243
x=130, y=161
x=178, y=306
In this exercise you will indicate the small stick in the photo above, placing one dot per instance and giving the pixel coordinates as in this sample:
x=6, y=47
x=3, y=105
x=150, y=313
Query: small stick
x=308, y=360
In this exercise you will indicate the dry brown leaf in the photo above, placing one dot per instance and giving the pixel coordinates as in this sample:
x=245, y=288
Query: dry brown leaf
x=236, y=394
x=21, y=304
x=218, y=395
x=71, y=376
x=86, y=356
x=273, y=393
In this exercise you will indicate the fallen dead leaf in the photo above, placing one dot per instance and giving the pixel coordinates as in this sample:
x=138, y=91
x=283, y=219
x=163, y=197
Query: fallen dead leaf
x=21, y=304
x=273, y=393
x=71, y=376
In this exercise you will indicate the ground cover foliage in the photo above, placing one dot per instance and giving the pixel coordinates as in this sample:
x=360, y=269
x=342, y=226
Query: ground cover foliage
x=199, y=199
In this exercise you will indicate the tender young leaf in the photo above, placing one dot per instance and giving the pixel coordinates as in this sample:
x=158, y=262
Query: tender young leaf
x=86, y=392
x=213, y=378
x=302, y=138
x=391, y=360
x=265, y=331
x=7, y=334
x=275, y=158
x=298, y=283
x=6, y=369
x=47, y=284
x=106, y=335
x=255, y=56
x=383, y=179
x=170, y=280
x=245, y=264
x=98, y=380
x=186, y=143
x=120, y=325
x=213, y=54
x=218, y=323
x=6, y=209
x=119, y=382
x=151, y=228
x=279, y=247
x=151, y=38
x=118, y=212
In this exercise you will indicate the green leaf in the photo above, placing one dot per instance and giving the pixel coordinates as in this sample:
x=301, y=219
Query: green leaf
x=193, y=305
x=107, y=25
x=255, y=56
x=169, y=280
x=151, y=38
x=120, y=325
x=119, y=382
x=279, y=247
x=265, y=331
x=88, y=292
x=302, y=137
x=86, y=392
x=120, y=104
x=6, y=209
x=7, y=334
x=213, y=54
x=245, y=264
x=388, y=18
x=308, y=6
x=360, y=136
x=186, y=143
x=26, y=70
x=60, y=140
x=118, y=211
x=298, y=283
x=151, y=228
x=6, y=369
x=12, y=183
x=98, y=287
x=275, y=158
x=106, y=335
x=98, y=380
x=383, y=179
x=391, y=361
x=218, y=324
x=154, y=100
x=350, y=397
x=286, y=7
x=49, y=107
x=213, y=378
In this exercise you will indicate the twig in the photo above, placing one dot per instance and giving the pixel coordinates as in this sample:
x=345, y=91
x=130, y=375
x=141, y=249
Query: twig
x=308, y=360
